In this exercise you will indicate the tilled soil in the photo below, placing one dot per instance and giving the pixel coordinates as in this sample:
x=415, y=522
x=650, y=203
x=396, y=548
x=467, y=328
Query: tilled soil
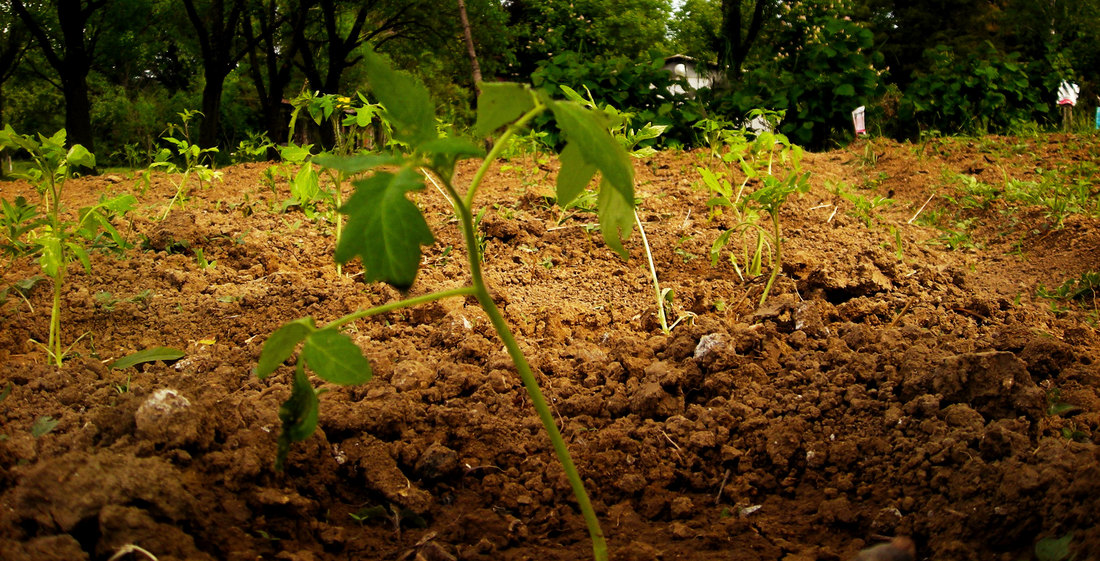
x=880, y=391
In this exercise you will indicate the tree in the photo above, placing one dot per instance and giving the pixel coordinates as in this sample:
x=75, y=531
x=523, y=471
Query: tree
x=274, y=31
x=695, y=29
x=608, y=28
x=475, y=68
x=67, y=37
x=742, y=22
x=216, y=24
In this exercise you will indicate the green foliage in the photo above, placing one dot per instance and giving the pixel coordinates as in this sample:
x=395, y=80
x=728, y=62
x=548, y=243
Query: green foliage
x=195, y=160
x=614, y=28
x=164, y=354
x=1055, y=549
x=1085, y=287
x=644, y=91
x=43, y=426
x=825, y=67
x=983, y=92
x=757, y=159
x=17, y=219
x=59, y=242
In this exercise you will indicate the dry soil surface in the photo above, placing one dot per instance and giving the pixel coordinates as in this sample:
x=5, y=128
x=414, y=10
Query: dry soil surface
x=890, y=385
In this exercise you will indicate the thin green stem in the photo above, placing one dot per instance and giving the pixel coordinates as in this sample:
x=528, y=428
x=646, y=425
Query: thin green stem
x=54, y=343
x=778, y=257
x=407, y=303
x=530, y=383
x=653, y=274
x=179, y=191
x=498, y=147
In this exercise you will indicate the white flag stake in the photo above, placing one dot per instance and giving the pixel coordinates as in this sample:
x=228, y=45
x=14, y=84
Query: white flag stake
x=859, y=120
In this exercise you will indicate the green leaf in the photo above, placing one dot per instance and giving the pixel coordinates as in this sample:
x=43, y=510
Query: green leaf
x=445, y=152
x=280, y=345
x=358, y=163
x=405, y=98
x=80, y=156
x=500, y=104
x=1053, y=549
x=299, y=414
x=165, y=354
x=588, y=130
x=385, y=229
x=616, y=217
x=575, y=174
x=293, y=153
x=43, y=425
x=306, y=185
x=334, y=357
x=50, y=259
x=81, y=255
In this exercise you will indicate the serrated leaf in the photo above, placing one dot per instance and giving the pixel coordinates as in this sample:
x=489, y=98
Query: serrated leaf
x=588, y=130
x=81, y=255
x=444, y=152
x=405, y=98
x=500, y=104
x=281, y=344
x=165, y=354
x=357, y=163
x=299, y=414
x=385, y=229
x=334, y=357
x=575, y=174
x=616, y=217
x=294, y=153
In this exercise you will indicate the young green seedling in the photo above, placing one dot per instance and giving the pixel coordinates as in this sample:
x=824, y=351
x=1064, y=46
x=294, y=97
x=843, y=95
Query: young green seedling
x=766, y=199
x=385, y=231
x=629, y=139
x=58, y=241
x=192, y=156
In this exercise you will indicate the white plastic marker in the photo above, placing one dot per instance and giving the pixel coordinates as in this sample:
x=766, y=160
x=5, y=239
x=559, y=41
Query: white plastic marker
x=1067, y=93
x=859, y=120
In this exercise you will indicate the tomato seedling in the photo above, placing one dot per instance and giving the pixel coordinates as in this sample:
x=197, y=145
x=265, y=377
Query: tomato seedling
x=385, y=230
x=59, y=242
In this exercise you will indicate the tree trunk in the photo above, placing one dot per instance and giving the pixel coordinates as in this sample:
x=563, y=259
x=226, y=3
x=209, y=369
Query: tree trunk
x=74, y=75
x=211, y=108
x=78, y=112
x=470, y=45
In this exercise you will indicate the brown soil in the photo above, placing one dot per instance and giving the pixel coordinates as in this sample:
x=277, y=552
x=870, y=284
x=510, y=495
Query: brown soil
x=873, y=395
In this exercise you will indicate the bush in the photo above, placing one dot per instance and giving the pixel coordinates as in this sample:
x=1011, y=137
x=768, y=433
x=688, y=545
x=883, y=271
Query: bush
x=824, y=69
x=642, y=89
x=984, y=92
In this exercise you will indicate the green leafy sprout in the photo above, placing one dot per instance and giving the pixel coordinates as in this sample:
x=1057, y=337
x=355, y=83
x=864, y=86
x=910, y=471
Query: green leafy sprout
x=757, y=159
x=385, y=231
x=192, y=155
x=59, y=242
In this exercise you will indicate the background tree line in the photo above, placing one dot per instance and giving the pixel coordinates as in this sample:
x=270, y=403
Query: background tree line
x=114, y=72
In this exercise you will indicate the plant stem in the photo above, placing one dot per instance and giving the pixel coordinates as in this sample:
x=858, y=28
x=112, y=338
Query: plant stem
x=778, y=256
x=179, y=191
x=530, y=383
x=498, y=147
x=653, y=274
x=54, y=343
x=407, y=303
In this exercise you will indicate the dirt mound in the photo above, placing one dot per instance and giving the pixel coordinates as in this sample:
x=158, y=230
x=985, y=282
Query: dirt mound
x=897, y=382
